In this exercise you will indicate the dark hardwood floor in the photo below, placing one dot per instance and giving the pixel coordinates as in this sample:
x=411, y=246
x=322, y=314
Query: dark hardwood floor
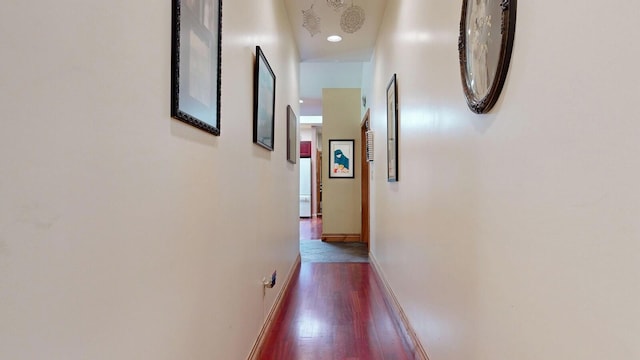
x=310, y=228
x=334, y=311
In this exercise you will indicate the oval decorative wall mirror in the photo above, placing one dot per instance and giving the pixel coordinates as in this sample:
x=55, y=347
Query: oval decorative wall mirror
x=487, y=30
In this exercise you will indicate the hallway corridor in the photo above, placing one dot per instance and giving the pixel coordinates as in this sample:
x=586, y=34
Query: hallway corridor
x=334, y=311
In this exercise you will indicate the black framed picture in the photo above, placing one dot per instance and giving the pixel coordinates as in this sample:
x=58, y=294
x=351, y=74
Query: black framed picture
x=342, y=160
x=264, y=101
x=292, y=135
x=392, y=130
x=487, y=29
x=196, y=63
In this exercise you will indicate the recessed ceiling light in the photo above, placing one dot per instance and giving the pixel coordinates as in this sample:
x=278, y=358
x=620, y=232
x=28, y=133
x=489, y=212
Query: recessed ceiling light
x=334, y=38
x=301, y=101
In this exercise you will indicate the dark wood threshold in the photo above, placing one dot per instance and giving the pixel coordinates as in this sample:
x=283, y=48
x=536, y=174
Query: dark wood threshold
x=341, y=237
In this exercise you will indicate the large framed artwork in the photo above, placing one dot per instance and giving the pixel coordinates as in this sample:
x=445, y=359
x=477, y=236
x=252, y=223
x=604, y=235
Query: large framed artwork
x=196, y=63
x=264, y=101
x=392, y=130
x=292, y=135
x=487, y=29
x=343, y=161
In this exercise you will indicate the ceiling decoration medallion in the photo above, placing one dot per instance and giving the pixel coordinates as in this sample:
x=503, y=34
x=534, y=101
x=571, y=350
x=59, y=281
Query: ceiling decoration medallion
x=487, y=30
x=311, y=21
x=352, y=19
x=335, y=4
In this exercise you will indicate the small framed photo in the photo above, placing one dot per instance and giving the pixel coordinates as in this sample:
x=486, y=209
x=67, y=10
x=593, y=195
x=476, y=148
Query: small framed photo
x=392, y=130
x=196, y=57
x=264, y=101
x=342, y=162
x=292, y=135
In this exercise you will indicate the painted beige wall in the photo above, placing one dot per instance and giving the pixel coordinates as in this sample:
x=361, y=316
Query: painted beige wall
x=340, y=196
x=514, y=235
x=125, y=234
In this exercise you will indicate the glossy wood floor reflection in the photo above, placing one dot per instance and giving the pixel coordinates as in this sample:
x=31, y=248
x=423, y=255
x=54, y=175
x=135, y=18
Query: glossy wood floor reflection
x=311, y=228
x=334, y=311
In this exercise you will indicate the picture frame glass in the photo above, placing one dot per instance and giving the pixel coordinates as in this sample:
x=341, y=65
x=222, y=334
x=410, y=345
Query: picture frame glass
x=264, y=102
x=196, y=63
x=342, y=159
x=483, y=44
x=292, y=135
x=392, y=130
x=487, y=31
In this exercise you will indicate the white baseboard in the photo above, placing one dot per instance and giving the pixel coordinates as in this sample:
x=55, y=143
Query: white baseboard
x=418, y=350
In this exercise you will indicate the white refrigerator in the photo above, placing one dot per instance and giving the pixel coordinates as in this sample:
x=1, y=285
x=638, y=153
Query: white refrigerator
x=305, y=187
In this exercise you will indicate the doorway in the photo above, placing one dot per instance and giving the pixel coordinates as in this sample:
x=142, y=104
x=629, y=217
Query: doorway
x=310, y=163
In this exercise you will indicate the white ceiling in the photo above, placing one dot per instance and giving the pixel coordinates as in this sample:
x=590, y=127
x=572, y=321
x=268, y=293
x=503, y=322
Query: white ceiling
x=332, y=65
x=315, y=76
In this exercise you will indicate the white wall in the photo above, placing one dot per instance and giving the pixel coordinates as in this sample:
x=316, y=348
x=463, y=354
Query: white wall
x=306, y=133
x=125, y=234
x=514, y=235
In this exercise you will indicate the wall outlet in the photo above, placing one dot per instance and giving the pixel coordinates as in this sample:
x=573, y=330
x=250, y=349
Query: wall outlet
x=272, y=282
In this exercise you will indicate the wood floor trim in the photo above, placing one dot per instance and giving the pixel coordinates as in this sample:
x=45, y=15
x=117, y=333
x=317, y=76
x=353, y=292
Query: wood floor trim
x=340, y=237
x=399, y=315
x=274, y=309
